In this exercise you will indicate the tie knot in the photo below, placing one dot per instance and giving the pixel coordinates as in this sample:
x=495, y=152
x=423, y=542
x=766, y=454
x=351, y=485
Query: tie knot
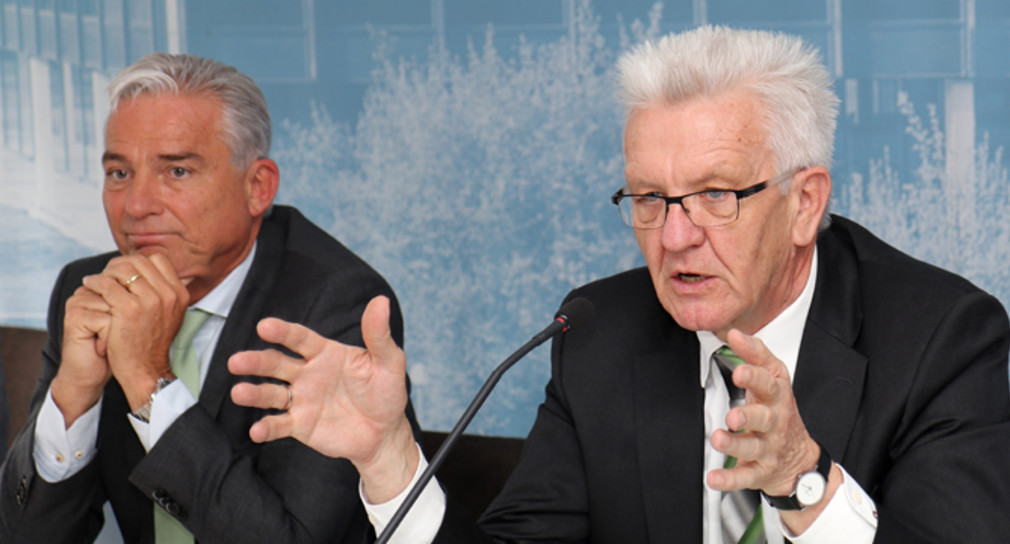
x=726, y=358
x=194, y=319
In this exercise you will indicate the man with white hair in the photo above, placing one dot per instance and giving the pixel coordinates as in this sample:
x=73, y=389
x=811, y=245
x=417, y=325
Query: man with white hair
x=132, y=406
x=768, y=349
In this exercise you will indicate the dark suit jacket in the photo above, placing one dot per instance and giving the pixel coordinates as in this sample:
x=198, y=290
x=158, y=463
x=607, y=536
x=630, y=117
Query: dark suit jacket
x=225, y=488
x=902, y=377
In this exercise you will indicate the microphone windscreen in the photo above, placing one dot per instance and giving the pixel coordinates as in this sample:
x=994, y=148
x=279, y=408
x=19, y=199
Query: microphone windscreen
x=576, y=312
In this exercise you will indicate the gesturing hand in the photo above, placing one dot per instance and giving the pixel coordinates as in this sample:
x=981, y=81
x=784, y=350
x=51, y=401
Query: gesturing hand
x=774, y=446
x=347, y=401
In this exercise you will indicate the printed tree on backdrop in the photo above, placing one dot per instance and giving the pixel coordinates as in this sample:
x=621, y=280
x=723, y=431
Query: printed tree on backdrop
x=955, y=220
x=478, y=184
x=479, y=187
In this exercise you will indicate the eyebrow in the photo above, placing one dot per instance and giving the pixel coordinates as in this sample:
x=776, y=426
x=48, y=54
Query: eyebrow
x=179, y=156
x=168, y=157
x=703, y=183
x=107, y=156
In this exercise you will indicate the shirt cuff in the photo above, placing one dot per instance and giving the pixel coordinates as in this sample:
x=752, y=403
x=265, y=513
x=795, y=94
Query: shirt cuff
x=424, y=519
x=170, y=403
x=60, y=452
x=849, y=518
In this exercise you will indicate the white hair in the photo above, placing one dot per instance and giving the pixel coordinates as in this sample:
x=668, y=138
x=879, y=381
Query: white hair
x=785, y=73
x=246, y=117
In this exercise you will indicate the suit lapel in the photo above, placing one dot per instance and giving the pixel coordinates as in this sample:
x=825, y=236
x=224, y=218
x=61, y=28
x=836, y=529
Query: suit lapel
x=670, y=432
x=240, y=327
x=830, y=373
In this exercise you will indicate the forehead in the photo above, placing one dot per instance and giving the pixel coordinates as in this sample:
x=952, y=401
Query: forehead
x=166, y=122
x=711, y=138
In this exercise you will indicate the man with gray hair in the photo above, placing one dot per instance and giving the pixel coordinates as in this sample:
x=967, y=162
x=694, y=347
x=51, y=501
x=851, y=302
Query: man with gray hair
x=133, y=405
x=767, y=352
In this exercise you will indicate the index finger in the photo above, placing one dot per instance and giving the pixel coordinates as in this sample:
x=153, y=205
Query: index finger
x=294, y=336
x=268, y=363
x=156, y=271
x=760, y=376
x=167, y=270
x=750, y=349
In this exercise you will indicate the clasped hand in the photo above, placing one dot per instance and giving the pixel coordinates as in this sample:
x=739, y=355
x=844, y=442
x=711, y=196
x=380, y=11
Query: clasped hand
x=119, y=323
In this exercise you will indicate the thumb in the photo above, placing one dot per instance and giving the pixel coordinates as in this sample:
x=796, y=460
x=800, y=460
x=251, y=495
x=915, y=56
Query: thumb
x=375, y=330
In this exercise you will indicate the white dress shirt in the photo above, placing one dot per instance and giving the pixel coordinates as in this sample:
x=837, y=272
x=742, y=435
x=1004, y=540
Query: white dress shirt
x=60, y=452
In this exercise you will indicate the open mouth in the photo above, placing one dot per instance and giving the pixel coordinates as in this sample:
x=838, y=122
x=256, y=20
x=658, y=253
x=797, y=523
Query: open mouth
x=690, y=278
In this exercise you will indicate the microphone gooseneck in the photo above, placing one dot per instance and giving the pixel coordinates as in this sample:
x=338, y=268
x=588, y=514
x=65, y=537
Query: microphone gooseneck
x=575, y=313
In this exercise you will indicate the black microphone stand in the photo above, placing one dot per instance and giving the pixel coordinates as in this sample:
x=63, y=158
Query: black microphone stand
x=560, y=324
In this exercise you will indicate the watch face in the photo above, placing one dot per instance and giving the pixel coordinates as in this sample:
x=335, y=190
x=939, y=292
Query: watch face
x=810, y=489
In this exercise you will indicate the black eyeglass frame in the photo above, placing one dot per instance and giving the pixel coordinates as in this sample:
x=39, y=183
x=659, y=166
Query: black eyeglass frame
x=739, y=193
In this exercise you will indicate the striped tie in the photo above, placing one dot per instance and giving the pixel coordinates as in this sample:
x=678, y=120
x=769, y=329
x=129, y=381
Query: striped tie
x=740, y=510
x=186, y=367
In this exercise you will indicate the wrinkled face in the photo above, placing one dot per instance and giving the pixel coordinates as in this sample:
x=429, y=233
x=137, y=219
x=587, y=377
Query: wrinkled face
x=171, y=188
x=739, y=275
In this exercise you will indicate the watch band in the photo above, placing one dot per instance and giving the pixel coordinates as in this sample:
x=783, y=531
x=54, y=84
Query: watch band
x=790, y=502
x=143, y=413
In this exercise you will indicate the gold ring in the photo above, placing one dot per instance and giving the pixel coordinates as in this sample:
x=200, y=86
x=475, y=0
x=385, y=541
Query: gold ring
x=291, y=399
x=130, y=281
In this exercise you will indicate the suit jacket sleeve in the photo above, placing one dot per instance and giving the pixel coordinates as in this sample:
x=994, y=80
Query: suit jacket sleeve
x=902, y=378
x=77, y=502
x=950, y=479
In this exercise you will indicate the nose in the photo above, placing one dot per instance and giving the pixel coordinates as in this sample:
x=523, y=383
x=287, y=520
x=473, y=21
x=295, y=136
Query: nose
x=679, y=233
x=143, y=197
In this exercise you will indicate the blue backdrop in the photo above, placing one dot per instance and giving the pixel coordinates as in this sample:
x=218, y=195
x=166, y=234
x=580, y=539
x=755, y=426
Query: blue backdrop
x=466, y=148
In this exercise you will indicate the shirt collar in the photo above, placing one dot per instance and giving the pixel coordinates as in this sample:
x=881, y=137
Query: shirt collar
x=221, y=298
x=782, y=335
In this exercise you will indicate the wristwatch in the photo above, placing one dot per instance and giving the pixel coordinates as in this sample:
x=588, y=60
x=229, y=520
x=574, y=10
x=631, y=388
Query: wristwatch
x=810, y=487
x=144, y=412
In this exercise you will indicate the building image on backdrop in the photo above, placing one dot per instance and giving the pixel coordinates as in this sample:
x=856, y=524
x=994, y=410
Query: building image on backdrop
x=466, y=148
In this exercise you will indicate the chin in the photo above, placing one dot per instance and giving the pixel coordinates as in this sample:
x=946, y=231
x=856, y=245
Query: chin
x=147, y=251
x=695, y=316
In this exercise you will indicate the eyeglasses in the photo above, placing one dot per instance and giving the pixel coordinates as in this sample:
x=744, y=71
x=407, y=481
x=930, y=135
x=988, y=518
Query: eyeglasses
x=709, y=208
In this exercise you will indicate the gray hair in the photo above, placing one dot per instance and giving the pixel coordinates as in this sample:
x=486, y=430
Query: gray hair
x=246, y=117
x=784, y=72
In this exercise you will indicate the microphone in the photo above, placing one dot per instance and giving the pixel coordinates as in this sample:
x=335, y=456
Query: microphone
x=575, y=313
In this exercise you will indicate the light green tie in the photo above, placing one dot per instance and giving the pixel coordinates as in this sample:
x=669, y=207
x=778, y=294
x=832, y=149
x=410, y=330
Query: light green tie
x=186, y=367
x=742, y=503
x=185, y=364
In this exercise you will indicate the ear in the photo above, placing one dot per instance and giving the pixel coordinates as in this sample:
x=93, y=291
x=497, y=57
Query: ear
x=262, y=179
x=812, y=188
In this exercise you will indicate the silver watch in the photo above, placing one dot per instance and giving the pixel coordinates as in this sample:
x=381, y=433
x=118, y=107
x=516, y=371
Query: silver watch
x=144, y=412
x=810, y=487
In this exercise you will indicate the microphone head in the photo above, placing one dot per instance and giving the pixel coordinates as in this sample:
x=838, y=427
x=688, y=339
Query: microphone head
x=576, y=313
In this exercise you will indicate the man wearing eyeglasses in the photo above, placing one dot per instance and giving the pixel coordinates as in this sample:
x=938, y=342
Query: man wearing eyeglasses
x=767, y=350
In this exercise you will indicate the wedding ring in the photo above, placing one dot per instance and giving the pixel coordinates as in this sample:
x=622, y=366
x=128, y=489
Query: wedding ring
x=291, y=399
x=130, y=281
